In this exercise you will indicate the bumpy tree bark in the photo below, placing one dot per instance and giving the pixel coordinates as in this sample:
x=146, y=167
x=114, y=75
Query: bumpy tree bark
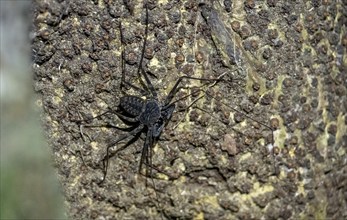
x=283, y=67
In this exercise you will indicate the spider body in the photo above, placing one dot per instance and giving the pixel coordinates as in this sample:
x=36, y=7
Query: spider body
x=149, y=113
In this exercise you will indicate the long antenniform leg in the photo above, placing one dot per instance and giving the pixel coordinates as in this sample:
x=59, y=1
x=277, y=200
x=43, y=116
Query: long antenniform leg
x=123, y=81
x=140, y=69
x=176, y=87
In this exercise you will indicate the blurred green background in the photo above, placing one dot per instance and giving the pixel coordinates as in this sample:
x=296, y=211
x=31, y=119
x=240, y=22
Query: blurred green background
x=29, y=185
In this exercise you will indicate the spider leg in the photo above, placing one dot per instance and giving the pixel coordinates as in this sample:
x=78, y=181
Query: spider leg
x=140, y=70
x=106, y=125
x=88, y=119
x=170, y=176
x=175, y=89
x=147, y=155
x=146, y=158
x=146, y=146
x=167, y=111
x=131, y=133
x=123, y=81
x=248, y=117
x=126, y=118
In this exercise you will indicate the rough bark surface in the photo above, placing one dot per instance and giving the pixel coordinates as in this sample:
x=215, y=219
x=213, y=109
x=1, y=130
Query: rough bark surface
x=284, y=65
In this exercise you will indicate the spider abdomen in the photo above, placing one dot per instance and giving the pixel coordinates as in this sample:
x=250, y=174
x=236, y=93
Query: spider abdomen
x=133, y=105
